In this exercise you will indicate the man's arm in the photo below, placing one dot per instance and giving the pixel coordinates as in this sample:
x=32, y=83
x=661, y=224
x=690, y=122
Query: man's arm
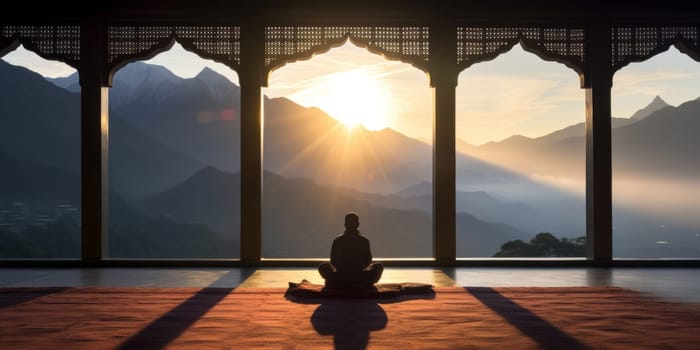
x=367, y=255
x=334, y=254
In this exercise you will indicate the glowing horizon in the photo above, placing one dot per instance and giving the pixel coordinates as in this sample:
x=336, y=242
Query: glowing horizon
x=354, y=97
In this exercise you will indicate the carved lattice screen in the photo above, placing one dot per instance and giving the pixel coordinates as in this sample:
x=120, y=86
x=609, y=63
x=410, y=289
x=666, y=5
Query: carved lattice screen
x=477, y=44
x=220, y=43
x=54, y=42
x=635, y=44
x=284, y=44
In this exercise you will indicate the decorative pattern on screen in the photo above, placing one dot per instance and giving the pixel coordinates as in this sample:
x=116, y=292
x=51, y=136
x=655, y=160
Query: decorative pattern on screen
x=53, y=42
x=288, y=44
x=219, y=43
x=477, y=44
x=636, y=44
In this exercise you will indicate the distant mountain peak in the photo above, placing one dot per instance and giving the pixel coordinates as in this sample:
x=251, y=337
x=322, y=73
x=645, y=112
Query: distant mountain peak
x=208, y=73
x=511, y=140
x=517, y=138
x=419, y=189
x=207, y=174
x=210, y=170
x=658, y=99
x=217, y=84
x=656, y=104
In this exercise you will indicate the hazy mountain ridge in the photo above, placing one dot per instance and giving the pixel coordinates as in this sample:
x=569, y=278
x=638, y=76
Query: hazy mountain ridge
x=562, y=153
x=26, y=181
x=302, y=217
x=46, y=133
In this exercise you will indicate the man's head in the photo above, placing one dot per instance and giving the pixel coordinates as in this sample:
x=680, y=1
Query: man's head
x=352, y=221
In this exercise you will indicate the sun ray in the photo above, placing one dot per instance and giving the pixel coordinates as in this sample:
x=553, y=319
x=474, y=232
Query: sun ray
x=341, y=170
x=355, y=98
x=309, y=148
x=375, y=159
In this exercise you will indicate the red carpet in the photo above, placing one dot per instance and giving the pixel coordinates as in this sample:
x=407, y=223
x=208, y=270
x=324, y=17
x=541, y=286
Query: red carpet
x=455, y=318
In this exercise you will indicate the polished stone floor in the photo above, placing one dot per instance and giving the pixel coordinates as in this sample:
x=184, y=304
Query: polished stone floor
x=674, y=284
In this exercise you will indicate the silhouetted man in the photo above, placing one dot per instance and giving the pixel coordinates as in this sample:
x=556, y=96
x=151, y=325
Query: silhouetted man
x=351, y=259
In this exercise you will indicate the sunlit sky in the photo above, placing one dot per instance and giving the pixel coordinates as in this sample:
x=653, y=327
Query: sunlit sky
x=517, y=93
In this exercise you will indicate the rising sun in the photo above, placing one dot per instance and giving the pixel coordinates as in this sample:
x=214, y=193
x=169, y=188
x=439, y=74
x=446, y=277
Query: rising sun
x=355, y=98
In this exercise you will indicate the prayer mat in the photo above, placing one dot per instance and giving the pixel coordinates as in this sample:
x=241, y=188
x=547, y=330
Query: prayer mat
x=306, y=289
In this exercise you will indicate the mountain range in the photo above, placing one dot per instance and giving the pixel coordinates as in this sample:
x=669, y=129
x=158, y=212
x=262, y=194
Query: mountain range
x=174, y=162
x=657, y=139
x=198, y=117
x=182, y=199
x=300, y=216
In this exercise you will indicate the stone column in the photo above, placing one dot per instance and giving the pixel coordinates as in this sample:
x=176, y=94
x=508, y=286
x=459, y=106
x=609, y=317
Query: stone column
x=598, y=83
x=251, y=81
x=443, y=78
x=94, y=142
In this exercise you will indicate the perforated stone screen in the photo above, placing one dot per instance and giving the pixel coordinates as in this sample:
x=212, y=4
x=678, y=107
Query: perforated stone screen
x=477, y=44
x=635, y=44
x=284, y=44
x=220, y=43
x=57, y=42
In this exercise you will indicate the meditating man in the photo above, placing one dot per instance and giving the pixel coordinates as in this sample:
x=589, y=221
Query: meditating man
x=351, y=259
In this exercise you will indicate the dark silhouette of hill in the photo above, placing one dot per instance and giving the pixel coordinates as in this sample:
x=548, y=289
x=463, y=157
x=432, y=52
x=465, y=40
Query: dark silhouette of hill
x=24, y=181
x=41, y=188
x=40, y=122
x=210, y=197
x=301, y=217
x=48, y=133
x=135, y=235
x=140, y=166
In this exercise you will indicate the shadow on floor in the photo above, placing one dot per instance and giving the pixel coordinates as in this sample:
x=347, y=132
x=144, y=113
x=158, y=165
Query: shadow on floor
x=159, y=333
x=16, y=296
x=531, y=325
x=349, y=321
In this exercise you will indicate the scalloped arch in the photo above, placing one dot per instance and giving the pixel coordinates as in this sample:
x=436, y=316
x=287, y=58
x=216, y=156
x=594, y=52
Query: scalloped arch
x=134, y=43
x=285, y=45
x=562, y=45
x=638, y=44
x=54, y=42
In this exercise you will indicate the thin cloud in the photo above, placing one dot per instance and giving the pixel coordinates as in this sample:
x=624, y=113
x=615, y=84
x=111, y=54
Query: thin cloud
x=639, y=77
